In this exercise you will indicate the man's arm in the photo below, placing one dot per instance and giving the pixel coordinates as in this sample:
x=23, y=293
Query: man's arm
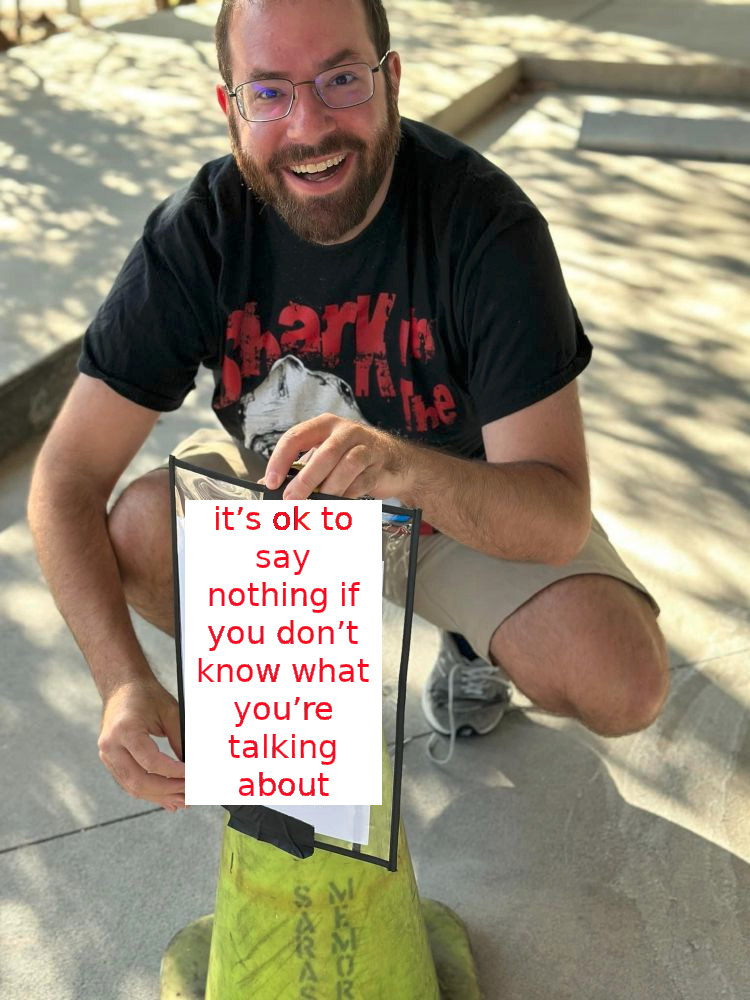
x=529, y=501
x=92, y=441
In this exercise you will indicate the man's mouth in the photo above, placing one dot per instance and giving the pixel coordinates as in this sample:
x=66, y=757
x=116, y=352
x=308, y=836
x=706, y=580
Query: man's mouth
x=319, y=171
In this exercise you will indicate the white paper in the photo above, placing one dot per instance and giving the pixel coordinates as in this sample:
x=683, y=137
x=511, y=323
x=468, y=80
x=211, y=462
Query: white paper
x=349, y=823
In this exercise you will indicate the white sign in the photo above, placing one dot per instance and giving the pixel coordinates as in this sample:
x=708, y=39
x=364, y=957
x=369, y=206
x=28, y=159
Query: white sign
x=282, y=641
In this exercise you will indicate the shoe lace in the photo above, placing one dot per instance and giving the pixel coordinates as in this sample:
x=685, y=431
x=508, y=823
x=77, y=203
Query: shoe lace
x=476, y=681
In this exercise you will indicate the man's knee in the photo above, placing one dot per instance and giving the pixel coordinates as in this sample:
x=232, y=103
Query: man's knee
x=638, y=686
x=588, y=647
x=140, y=532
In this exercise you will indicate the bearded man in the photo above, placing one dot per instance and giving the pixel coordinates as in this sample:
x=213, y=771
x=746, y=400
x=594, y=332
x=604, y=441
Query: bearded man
x=373, y=294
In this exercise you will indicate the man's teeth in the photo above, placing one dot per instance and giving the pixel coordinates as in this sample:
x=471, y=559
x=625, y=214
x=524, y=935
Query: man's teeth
x=316, y=168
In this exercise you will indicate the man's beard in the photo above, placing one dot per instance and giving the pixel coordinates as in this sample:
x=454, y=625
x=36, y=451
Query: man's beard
x=323, y=218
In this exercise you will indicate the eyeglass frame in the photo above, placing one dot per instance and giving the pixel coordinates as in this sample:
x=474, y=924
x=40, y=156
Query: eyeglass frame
x=264, y=121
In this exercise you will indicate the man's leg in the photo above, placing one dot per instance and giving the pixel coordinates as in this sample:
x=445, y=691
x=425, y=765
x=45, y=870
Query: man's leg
x=140, y=530
x=580, y=640
x=588, y=647
x=140, y=527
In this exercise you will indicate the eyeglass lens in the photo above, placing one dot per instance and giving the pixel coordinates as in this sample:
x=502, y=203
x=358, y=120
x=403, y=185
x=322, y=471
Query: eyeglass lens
x=340, y=87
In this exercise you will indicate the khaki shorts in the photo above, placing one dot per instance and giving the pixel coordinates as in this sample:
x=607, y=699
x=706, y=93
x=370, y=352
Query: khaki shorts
x=457, y=589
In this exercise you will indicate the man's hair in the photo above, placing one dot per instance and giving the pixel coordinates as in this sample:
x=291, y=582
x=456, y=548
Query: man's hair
x=377, y=26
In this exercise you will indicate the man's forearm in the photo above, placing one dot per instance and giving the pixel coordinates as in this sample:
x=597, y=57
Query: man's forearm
x=532, y=510
x=68, y=523
x=522, y=511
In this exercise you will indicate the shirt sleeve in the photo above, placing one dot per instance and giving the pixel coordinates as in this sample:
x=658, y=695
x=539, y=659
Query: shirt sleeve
x=524, y=340
x=150, y=335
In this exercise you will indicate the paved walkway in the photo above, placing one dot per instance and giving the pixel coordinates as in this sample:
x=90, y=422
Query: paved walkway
x=584, y=868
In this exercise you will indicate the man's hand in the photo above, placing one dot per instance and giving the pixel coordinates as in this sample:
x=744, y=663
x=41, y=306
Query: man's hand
x=529, y=501
x=347, y=459
x=132, y=714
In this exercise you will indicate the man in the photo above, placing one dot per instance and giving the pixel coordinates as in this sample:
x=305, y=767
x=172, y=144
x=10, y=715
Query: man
x=379, y=298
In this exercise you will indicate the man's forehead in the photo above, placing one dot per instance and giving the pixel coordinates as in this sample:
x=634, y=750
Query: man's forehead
x=320, y=33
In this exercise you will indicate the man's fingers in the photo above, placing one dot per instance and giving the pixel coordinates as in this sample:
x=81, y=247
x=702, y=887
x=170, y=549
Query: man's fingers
x=339, y=460
x=132, y=715
x=171, y=725
x=136, y=782
x=176, y=743
x=344, y=458
x=364, y=486
x=302, y=460
x=146, y=753
x=173, y=803
x=306, y=481
x=297, y=440
x=350, y=467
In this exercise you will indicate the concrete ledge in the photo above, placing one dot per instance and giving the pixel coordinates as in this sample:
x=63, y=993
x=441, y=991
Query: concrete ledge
x=720, y=139
x=699, y=81
x=479, y=101
x=30, y=401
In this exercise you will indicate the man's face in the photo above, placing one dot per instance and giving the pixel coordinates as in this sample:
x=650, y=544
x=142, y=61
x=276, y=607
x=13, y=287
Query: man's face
x=296, y=40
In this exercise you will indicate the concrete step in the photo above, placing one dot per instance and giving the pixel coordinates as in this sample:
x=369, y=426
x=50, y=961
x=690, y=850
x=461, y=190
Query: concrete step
x=721, y=139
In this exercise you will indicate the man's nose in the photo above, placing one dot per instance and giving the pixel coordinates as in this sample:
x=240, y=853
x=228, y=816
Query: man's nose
x=309, y=115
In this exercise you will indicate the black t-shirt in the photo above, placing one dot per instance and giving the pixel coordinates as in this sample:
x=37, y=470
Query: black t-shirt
x=447, y=312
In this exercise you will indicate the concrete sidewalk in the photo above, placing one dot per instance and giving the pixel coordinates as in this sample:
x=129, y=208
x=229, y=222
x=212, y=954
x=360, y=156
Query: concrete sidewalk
x=584, y=868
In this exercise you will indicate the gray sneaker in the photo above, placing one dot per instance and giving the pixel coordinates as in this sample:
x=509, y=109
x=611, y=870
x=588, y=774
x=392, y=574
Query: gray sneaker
x=462, y=697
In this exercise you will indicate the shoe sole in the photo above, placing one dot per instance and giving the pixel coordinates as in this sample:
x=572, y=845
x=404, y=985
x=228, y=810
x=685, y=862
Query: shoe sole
x=464, y=730
x=427, y=712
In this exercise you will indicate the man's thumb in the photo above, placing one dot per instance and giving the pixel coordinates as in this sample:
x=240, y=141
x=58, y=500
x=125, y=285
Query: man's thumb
x=171, y=722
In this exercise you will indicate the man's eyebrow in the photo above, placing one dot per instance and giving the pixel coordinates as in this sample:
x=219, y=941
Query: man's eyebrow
x=337, y=59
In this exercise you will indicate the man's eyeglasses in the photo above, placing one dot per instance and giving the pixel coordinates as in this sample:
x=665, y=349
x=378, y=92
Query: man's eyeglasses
x=341, y=87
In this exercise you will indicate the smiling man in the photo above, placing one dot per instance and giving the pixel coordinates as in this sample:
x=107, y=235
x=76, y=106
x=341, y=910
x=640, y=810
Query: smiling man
x=326, y=176
x=373, y=294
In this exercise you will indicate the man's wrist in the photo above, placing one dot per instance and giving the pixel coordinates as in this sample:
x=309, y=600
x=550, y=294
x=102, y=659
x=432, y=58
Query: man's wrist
x=112, y=682
x=418, y=467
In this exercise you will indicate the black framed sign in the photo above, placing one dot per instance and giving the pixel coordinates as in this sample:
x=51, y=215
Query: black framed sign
x=366, y=832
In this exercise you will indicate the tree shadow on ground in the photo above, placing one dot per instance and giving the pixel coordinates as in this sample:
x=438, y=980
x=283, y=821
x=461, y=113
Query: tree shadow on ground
x=568, y=889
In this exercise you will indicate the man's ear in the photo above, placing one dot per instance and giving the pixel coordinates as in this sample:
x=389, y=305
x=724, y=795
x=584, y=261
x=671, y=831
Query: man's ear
x=395, y=67
x=222, y=98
